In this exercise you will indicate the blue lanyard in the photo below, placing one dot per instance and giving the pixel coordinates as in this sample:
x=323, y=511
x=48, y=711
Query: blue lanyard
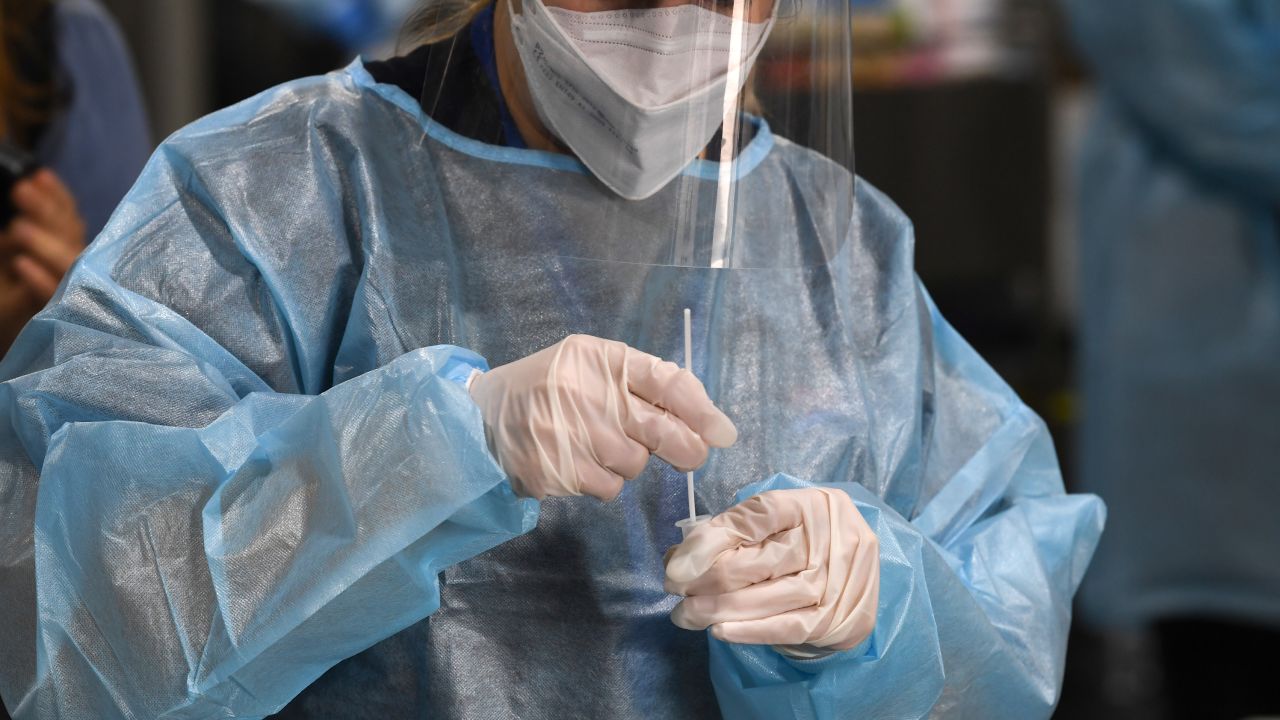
x=482, y=45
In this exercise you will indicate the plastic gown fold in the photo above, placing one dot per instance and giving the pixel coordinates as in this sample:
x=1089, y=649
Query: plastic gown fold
x=240, y=469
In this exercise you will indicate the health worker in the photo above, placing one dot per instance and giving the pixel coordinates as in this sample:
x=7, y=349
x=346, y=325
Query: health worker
x=337, y=417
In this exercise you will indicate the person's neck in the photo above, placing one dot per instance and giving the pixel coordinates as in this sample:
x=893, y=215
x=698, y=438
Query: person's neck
x=514, y=88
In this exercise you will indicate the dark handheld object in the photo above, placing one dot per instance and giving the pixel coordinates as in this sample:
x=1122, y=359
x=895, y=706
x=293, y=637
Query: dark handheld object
x=15, y=164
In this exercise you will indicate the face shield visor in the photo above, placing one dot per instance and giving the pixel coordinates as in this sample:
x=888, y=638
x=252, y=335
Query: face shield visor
x=715, y=133
x=637, y=93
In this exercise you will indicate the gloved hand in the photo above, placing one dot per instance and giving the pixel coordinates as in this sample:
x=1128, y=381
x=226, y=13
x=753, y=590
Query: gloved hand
x=581, y=416
x=796, y=569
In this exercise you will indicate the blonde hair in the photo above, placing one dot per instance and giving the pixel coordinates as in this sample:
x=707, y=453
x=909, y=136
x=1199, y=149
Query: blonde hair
x=438, y=20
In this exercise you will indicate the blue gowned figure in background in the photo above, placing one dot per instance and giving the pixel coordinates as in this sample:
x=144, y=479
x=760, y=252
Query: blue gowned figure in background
x=1180, y=239
x=99, y=144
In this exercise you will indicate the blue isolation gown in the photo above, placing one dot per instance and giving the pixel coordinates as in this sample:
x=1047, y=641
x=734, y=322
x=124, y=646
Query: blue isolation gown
x=1180, y=327
x=237, y=453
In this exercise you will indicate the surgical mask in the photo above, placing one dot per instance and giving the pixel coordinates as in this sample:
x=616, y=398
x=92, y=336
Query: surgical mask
x=636, y=94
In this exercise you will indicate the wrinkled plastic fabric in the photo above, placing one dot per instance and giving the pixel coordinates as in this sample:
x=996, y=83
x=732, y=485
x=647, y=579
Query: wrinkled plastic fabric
x=249, y=469
x=1180, y=265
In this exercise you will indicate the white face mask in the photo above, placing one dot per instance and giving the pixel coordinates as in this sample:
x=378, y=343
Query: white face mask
x=636, y=94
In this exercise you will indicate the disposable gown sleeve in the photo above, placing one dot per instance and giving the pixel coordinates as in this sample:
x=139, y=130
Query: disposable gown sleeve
x=180, y=540
x=975, y=589
x=1200, y=75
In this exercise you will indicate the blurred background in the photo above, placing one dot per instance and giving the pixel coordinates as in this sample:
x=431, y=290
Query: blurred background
x=982, y=120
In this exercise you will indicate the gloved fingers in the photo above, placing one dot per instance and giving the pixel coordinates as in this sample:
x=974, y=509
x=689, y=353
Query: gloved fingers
x=597, y=481
x=664, y=435
x=666, y=385
x=789, y=628
x=853, y=621
x=628, y=459
x=830, y=602
x=588, y=377
x=554, y=419
x=761, y=516
x=766, y=599
x=597, y=451
x=750, y=521
x=778, y=556
x=537, y=465
x=612, y=448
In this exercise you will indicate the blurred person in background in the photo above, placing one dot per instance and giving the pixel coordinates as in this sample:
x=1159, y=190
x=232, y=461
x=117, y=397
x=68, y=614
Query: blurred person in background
x=359, y=25
x=70, y=102
x=1180, y=235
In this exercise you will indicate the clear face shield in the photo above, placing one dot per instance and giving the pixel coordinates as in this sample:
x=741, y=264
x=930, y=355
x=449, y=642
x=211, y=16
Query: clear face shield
x=692, y=119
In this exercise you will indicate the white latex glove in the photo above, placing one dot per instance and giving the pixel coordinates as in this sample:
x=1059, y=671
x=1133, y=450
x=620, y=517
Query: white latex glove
x=583, y=415
x=796, y=569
